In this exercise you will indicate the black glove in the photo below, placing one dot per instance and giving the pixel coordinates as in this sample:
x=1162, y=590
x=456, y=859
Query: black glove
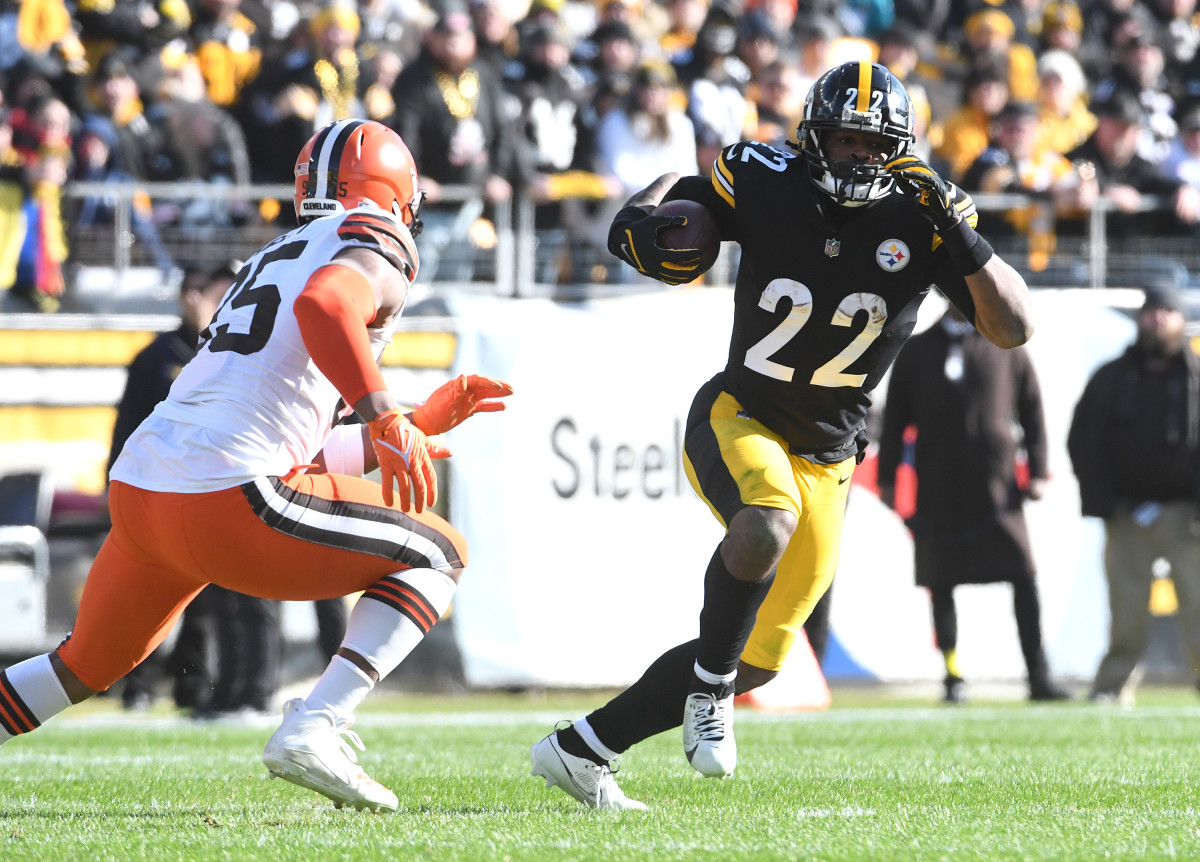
x=636, y=243
x=920, y=182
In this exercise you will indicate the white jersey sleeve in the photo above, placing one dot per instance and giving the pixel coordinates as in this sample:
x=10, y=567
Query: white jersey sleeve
x=252, y=402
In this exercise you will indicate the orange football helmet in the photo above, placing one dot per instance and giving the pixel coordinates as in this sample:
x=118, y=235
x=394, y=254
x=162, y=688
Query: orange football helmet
x=351, y=161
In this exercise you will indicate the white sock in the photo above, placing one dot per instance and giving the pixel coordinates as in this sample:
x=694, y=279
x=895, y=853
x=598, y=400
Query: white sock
x=340, y=689
x=386, y=624
x=30, y=695
x=593, y=742
x=714, y=678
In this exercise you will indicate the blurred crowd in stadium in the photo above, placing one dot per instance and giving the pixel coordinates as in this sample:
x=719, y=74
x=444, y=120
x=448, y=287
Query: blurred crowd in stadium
x=575, y=103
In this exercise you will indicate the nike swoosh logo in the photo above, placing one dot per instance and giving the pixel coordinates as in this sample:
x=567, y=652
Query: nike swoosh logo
x=625, y=250
x=843, y=480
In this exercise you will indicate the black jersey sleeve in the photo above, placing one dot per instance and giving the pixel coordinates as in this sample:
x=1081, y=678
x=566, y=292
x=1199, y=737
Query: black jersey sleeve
x=746, y=163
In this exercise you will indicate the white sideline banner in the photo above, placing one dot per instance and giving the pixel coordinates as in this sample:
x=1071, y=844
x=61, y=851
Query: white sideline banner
x=588, y=546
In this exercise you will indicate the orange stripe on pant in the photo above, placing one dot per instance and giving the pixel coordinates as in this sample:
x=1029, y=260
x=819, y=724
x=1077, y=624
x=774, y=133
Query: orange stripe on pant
x=13, y=718
x=164, y=548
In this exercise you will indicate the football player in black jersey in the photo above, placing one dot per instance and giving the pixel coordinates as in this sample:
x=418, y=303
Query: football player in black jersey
x=841, y=241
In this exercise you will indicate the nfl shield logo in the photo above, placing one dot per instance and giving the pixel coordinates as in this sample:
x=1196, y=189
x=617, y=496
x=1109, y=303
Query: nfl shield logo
x=833, y=247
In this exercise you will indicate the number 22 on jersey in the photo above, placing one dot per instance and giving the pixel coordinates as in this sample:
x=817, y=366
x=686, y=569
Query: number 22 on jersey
x=833, y=372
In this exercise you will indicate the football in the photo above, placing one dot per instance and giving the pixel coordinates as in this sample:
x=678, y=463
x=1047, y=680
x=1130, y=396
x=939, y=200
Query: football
x=700, y=232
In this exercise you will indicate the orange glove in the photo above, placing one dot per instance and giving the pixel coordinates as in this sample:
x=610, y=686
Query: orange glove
x=405, y=457
x=454, y=402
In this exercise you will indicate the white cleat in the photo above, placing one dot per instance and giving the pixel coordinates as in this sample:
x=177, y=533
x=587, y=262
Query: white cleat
x=313, y=749
x=591, y=784
x=708, y=734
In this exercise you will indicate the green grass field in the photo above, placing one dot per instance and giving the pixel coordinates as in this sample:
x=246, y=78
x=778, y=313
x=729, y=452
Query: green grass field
x=874, y=777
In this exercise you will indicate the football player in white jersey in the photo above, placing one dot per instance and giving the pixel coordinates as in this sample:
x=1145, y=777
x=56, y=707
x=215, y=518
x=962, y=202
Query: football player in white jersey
x=244, y=478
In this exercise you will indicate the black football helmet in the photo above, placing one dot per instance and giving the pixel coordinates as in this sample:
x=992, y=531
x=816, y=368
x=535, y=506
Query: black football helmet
x=865, y=97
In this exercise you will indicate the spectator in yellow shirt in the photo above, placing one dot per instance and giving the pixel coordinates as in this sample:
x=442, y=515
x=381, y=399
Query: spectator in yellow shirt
x=1065, y=119
x=966, y=132
x=1014, y=163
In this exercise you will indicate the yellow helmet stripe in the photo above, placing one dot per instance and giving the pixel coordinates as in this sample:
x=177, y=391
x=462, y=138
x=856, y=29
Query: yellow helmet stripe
x=864, y=86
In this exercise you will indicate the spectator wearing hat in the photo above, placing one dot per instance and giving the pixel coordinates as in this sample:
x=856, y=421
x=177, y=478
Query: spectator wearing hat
x=139, y=30
x=1062, y=27
x=647, y=20
x=1102, y=22
x=556, y=132
x=1014, y=163
x=966, y=132
x=759, y=45
x=900, y=52
x=989, y=38
x=311, y=87
x=1183, y=159
x=715, y=79
x=1125, y=178
x=608, y=58
x=553, y=96
x=497, y=37
x=1065, y=119
x=684, y=19
x=817, y=38
x=118, y=99
x=450, y=112
x=716, y=41
x=393, y=26
x=1062, y=30
x=229, y=49
x=119, y=143
x=98, y=158
x=901, y=48
x=1134, y=443
x=1140, y=68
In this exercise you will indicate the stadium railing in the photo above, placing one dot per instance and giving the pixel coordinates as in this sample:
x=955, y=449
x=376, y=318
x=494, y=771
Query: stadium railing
x=212, y=223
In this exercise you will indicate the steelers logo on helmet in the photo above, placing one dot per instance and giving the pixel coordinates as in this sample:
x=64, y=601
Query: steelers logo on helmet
x=892, y=255
x=862, y=97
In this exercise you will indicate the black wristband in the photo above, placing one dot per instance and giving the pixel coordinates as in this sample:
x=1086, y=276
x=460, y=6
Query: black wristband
x=966, y=248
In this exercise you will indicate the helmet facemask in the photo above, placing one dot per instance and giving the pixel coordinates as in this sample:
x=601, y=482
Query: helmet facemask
x=415, y=205
x=858, y=97
x=850, y=184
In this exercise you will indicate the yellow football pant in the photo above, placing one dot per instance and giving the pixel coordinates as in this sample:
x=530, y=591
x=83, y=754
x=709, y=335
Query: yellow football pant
x=734, y=461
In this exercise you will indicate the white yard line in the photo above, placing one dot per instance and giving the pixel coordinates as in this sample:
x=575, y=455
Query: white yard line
x=485, y=718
